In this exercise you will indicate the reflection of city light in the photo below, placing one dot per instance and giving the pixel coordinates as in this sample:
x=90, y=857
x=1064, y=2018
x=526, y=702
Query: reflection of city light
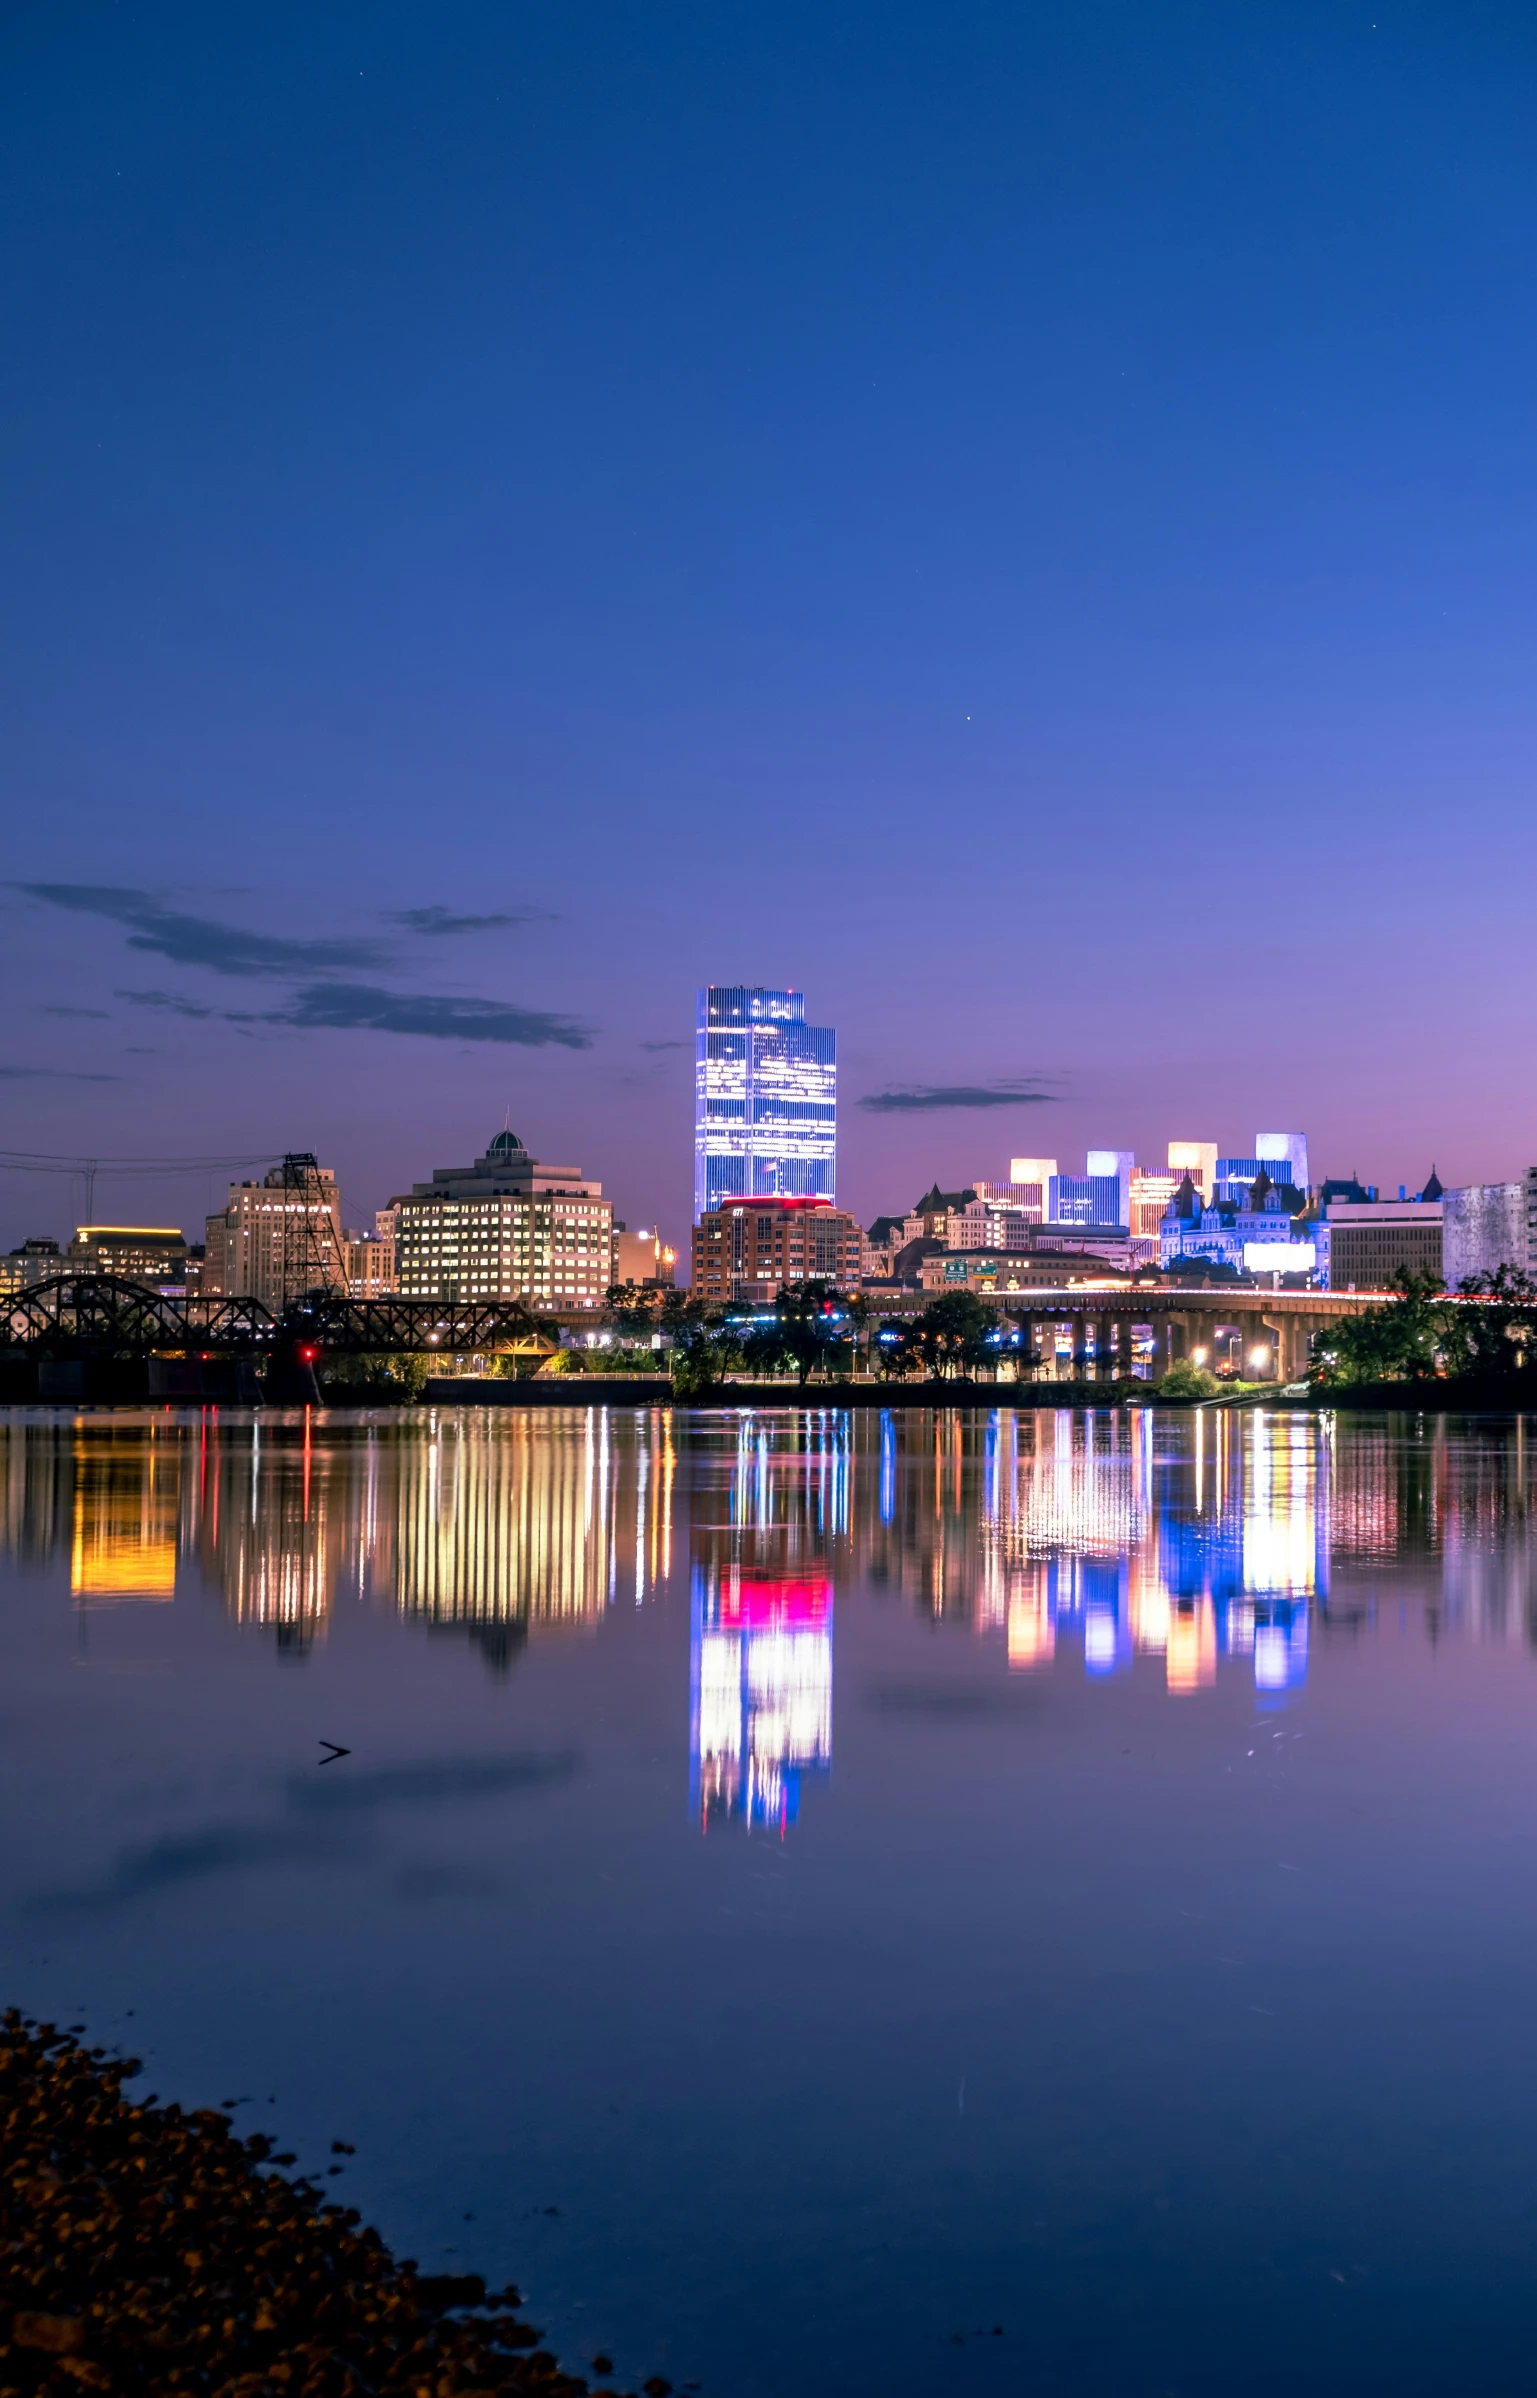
x=1032, y=1624
x=126, y=1501
x=1099, y=1647
x=1191, y=1656
x=762, y=1667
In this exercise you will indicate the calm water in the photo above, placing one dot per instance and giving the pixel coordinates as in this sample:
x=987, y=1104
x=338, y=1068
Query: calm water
x=806, y=1890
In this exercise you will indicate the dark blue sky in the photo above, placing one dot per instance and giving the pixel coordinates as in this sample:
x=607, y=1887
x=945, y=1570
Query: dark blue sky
x=1017, y=519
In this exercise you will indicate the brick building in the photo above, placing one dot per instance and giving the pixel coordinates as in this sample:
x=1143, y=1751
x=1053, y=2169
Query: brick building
x=747, y=1248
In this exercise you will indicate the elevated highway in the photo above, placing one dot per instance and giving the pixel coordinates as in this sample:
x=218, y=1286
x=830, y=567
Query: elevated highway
x=1266, y=1335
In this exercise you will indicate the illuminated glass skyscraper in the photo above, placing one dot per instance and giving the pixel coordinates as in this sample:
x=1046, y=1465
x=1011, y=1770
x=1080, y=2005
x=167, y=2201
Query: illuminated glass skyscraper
x=765, y=1098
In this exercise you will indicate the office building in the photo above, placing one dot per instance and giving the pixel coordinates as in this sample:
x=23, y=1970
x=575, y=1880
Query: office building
x=1364, y=1246
x=1281, y=1155
x=1198, y=1159
x=278, y=1238
x=34, y=1261
x=507, y=1227
x=1489, y=1225
x=1027, y=1184
x=746, y=1250
x=369, y=1263
x=155, y=1254
x=765, y=1098
x=1100, y=1195
x=1148, y=1197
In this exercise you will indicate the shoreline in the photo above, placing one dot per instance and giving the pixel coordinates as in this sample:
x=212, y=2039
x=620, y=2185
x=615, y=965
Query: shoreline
x=153, y=2251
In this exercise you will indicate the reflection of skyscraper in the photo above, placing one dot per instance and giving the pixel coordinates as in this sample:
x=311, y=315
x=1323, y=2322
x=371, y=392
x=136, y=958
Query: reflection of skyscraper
x=761, y=1656
x=761, y=1647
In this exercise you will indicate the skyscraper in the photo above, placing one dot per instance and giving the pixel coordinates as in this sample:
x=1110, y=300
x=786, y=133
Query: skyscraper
x=765, y=1098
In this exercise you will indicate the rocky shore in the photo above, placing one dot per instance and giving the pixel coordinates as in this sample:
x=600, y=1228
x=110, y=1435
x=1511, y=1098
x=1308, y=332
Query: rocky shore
x=147, y=2250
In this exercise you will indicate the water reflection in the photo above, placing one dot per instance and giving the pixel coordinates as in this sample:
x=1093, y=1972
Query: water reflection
x=1195, y=1543
x=761, y=1627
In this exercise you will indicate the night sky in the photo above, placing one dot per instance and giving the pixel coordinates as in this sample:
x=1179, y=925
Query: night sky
x=1020, y=521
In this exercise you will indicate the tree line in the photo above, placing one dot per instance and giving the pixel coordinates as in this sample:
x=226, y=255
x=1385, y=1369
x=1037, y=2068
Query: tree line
x=1485, y=1331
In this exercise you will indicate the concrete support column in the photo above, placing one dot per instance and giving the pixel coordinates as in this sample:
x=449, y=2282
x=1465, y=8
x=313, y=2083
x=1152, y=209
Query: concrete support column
x=1080, y=1323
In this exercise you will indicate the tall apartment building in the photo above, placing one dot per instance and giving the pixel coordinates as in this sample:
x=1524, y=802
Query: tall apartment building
x=507, y=1227
x=765, y=1098
x=278, y=1238
x=747, y=1249
x=1489, y=1225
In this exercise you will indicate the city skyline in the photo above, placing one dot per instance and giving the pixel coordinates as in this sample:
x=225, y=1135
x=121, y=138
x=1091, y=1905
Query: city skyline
x=1020, y=533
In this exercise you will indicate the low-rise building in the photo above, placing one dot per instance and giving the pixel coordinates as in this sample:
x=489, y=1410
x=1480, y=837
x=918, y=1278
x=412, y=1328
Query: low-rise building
x=746, y=1248
x=1365, y=1245
x=155, y=1254
x=1489, y=1225
x=508, y=1227
x=995, y=1273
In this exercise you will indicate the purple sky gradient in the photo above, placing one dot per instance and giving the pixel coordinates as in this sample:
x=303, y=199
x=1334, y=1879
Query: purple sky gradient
x=1020, y=522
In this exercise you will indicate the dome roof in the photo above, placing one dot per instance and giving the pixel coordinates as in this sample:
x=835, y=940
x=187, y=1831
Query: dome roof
x=506, y=1144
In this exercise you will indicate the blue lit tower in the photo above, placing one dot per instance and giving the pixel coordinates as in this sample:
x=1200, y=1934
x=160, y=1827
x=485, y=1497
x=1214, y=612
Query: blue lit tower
x=765, y=1098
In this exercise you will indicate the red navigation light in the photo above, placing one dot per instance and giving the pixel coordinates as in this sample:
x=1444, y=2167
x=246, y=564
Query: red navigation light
x=307, y=1357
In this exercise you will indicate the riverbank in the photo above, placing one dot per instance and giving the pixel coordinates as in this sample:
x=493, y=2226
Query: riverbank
x=150, y=2251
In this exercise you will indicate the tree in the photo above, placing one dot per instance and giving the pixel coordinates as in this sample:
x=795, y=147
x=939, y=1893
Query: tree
x=1491, y=1327
x=813, y=1330
x=952, y=1335
x=631, y=1309
x=1400, y=1340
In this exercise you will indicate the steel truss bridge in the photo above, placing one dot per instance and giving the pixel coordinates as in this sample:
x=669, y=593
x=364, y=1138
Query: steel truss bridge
x=103, y=1315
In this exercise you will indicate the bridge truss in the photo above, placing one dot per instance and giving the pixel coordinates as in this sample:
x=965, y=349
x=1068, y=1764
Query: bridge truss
x=110, y=1317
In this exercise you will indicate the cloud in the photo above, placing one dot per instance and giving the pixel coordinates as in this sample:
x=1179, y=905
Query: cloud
x=51, y=1074
x=358, y=1007
x=170, y=1000
x=654, y=1045
x=437, y=922
x=200, y=940
x=926, y=1097
x=75, y=1011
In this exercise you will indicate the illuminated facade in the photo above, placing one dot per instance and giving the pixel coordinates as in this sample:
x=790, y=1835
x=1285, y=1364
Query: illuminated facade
x=150, y=1253
x=765, y=1098
x=507, y=1227
x=277, y=1238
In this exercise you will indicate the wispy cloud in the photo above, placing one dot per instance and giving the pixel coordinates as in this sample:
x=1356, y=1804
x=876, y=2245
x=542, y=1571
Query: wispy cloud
x=655, y=1045
x=438, y=922
x=925, y=1098
x=172, y=1001
x=75, y=1011
x=358, y=1007
x=202, y=940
